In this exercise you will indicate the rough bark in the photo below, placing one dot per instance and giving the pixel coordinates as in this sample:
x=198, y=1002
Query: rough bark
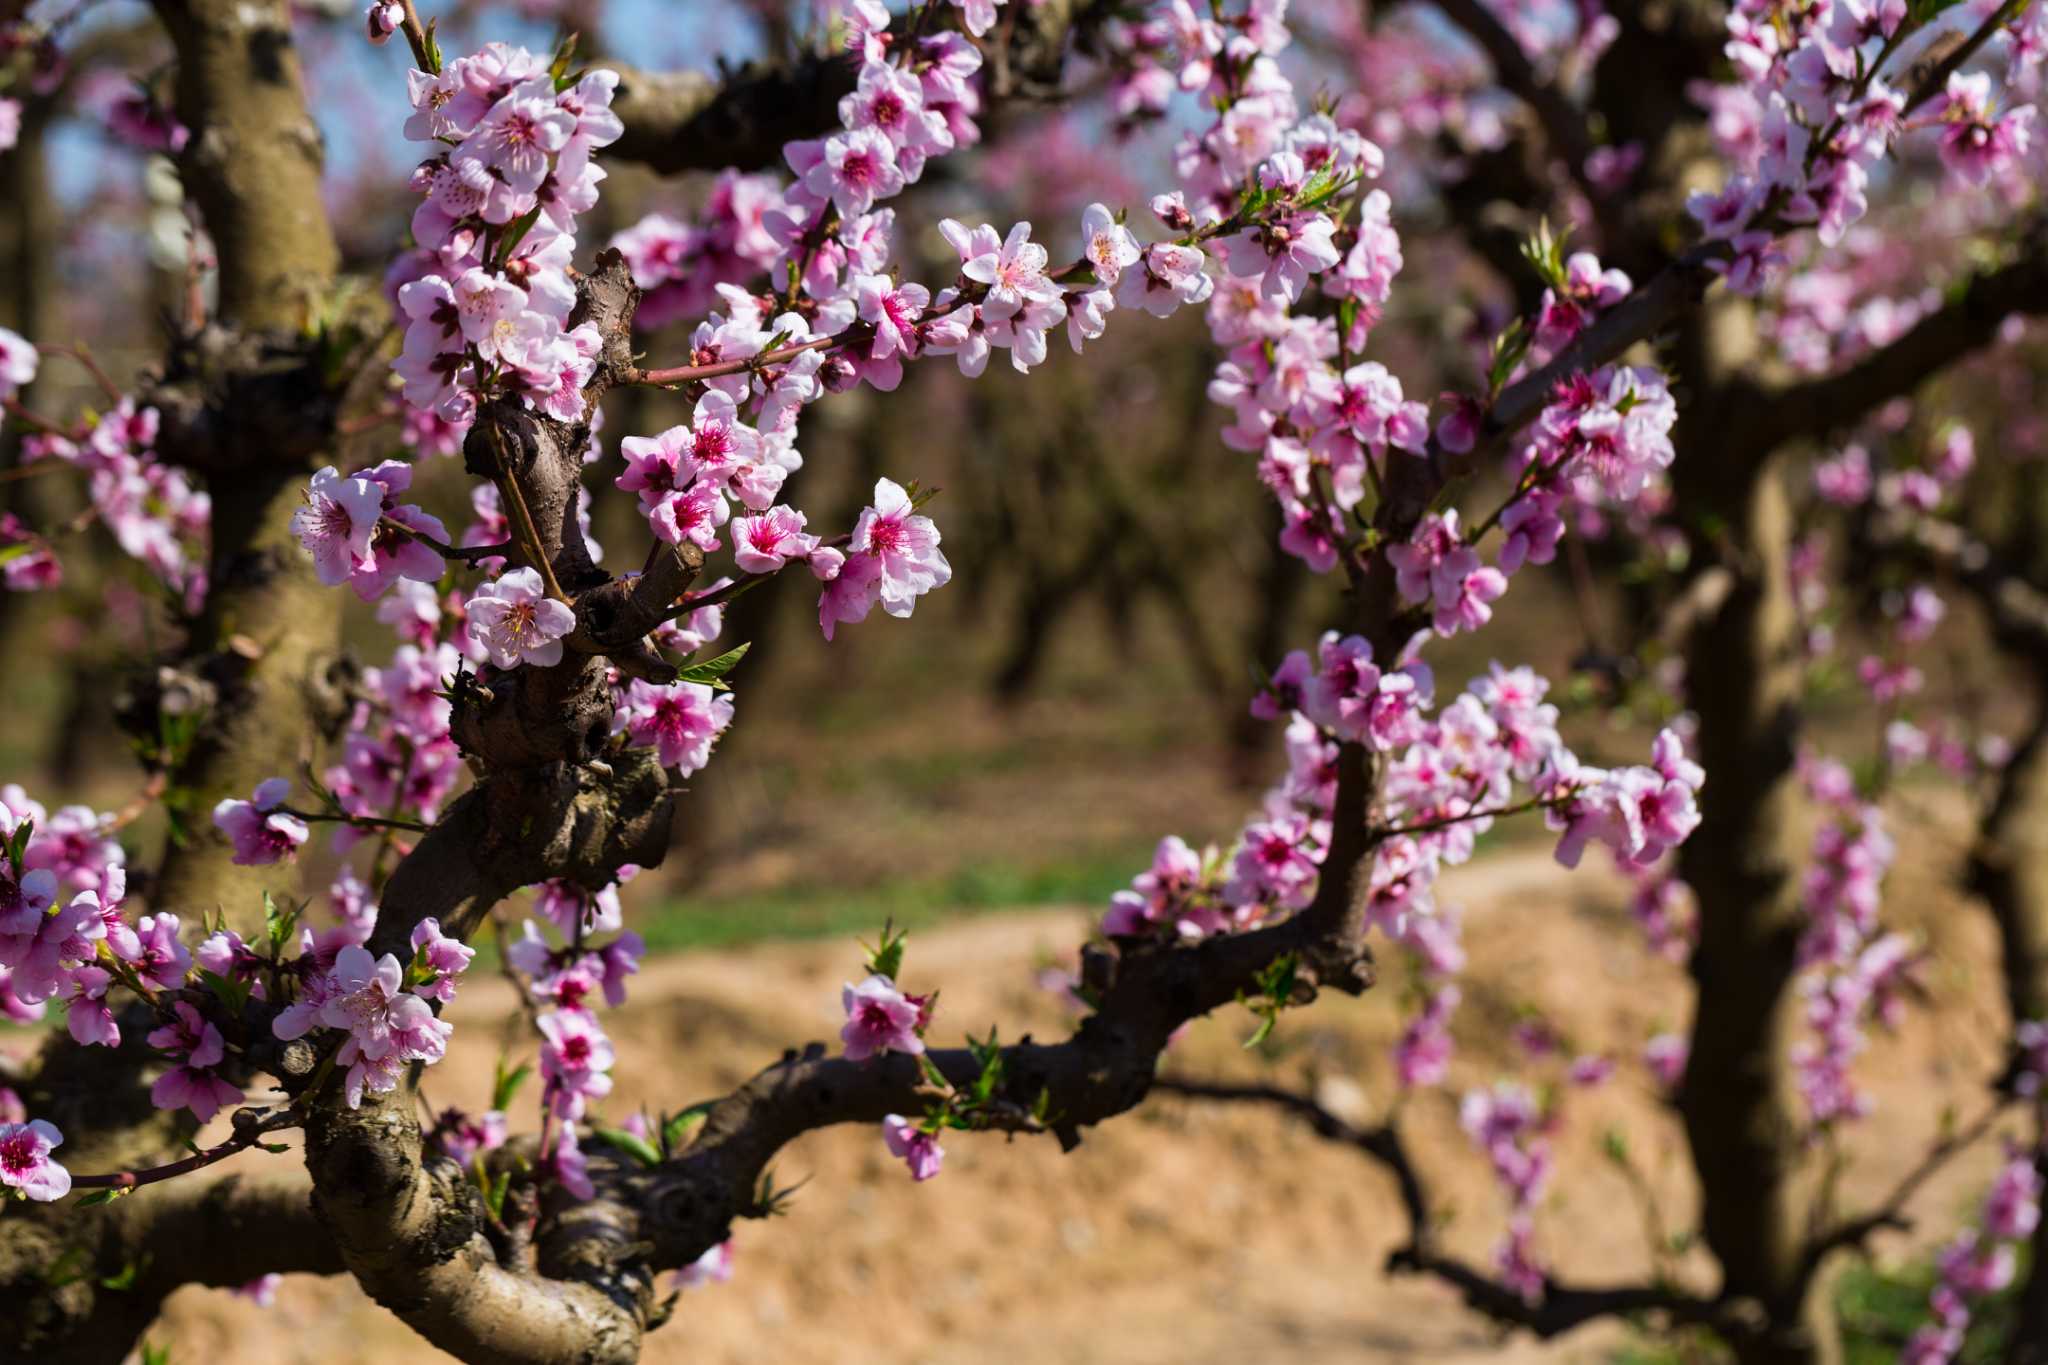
x=1741, y=1116
x=270, y=631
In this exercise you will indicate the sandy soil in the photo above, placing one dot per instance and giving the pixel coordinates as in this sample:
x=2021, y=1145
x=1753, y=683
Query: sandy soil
x=1185, y=1233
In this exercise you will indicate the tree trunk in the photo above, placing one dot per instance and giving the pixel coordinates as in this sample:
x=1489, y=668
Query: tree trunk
x=1741, y=1115
x=253, y=165
x=2009, y=869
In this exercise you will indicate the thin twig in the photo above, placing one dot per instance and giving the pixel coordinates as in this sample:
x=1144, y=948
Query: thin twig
x=1445, y=821
x=251, y=1125
x=362, y=821
x=468, y=554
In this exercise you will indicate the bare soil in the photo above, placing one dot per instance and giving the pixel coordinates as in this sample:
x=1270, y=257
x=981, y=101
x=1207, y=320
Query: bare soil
x=1187, y=1233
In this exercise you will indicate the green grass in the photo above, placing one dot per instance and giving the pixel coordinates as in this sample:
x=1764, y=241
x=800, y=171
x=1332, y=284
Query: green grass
x=821, y=910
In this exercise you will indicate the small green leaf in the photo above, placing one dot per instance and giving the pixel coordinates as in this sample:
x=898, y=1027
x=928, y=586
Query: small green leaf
x=712, y=670
x=505, y=1087
x=515, y=232
x=124, y=1280
x=631, y=1145
x=989, y=1055
x=1922, y=11
x=1508, y=350
x=493, y=1190
x=97, y=1197
x=278, y=924
x=886, y=959
x=677, y=1126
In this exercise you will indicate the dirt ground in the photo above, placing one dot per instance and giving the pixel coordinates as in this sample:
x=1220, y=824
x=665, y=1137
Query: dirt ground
x=1186, y=1233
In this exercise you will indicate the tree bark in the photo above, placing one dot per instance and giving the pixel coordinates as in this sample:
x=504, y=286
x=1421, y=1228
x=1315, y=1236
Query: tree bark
x=270, y=630
x=2009, y=869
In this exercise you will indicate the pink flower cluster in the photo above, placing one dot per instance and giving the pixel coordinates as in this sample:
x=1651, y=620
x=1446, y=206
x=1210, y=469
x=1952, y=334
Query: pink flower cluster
x=259, y=831
x=1811, y=115
x=576, y=1056
x=1854, y=972
x=680, y=265
x=388, y=1025
x=355, y=530
x=1979, y=1261
x=151, y=508
x=1506, y=1123
x=487, y=293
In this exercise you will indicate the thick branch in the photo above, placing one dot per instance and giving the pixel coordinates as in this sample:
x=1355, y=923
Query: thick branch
x=1968, y=322
x=688, y=121
x=686, y=1205
x=1564, y=123
x=220, y=1234
x=1558, y=1310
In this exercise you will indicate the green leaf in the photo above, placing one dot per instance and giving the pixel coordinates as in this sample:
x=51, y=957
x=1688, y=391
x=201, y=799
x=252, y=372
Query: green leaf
x=677, y=1126
x=887, y=959
x=493, y=1190
x=97, y=1197
x=124, y=1281
x=69, y=1268
x=1508, y=349
x=515, y=232
x=153, y=1354
x=712, y=670
x=233, y=995
x=989, y=1054
x=505, y=1086
x=1921, y=11
x=632, y=1146
x=1545, y=252
x=278, y=924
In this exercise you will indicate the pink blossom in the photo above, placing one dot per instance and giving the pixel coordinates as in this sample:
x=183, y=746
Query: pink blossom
x=516, y=139
x=384, y=19
x=680, y=721
x=1014, y=272
x=853, y=169
x=262, y=1291
x=1423, y=1053
x=86, y=1014
x=575, y=1061
x=917, y=1148
x=879, y=1018
x=260, y=832
x=1666, y=1055
x=446, y=957
x=894, y=310
x=571, y=1167
x=337, y=522
x=17, y=357
x=37, y=955
x=462, y=1139
x=713, y=1267
x=25, y=1162
x=1106, y=244
x=155, y=953
x=765, y=543
x=904, y=547
x=515, y=620
x=1165, y=277
x=1975, y=145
